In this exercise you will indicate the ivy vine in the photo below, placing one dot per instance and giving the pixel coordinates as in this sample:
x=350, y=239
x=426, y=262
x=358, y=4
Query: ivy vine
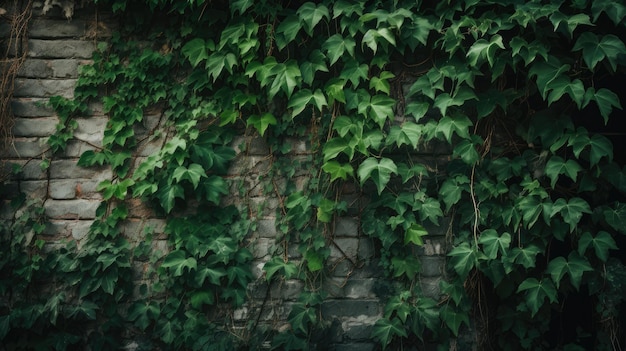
x=489, y=115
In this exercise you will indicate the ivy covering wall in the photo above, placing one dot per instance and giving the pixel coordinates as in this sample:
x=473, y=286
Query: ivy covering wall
x=517, y=104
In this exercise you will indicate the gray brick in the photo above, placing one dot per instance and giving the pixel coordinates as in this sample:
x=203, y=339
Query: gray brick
x=39, y=68
x=432, y=266
x=67, y=169
x=47, y=28
x=71, y=209
x=25, y=87
x=36, y=189
x=350, y=308
x=360, y=288
x=31, y=107
x=25, y=148
x=358, y=328
x=287, y=290
x=80, y=229
x=75, y=148
x=346, y=226
x=266, y=227
x=363, y=346
x=433, y=246
x=261, y=247
x=367, y=249
x=34, y=127
x=60, y=48
x=30, y=170
x=430, y=286
x=343, y=247
x=91, y=129
x=64, y=189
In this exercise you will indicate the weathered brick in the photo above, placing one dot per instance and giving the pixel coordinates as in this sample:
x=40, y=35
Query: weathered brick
x=261, y=247
x=266, y=227
x=362, y=346
x=432, y=266
x=358, y=328
x=60, y=48
x=64, y=189
x=71, y=209
x=430, y=286
x=26, y=147
x=31, y=107
x=359, y=288
x=91, y=129
x=35, y=189
x=344, y=247
x=346, y=226
x=29, y=169
x=75, y=148
x=80, y=229
x=41, y=68
x=350, y=308
x=34, y=127
x=26, y=87
x=48, y=28
x=287, y=290
x=67, y=169
x=367, y=249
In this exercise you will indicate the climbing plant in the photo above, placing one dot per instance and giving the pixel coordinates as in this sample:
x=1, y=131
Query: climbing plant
x=488, y=115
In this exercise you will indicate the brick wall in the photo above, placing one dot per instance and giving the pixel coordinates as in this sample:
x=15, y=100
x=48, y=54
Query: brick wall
x=57, y=48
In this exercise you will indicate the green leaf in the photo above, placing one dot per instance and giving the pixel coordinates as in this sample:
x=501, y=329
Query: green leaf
x=213, y=274
x=458, y=124
x=276, y=264
x=454, y=318
x=605, y=99
x=408, y=133
x=537, y=292
x=201, y=298
x=337, y=170
x=287, y=31
x=177, y=261
x=614, y=10
x=575, y=266
x=571, y=211
x=354, y=71
x=610, y=47
x=616, y=217
x=601, y=243
x=378, y=170
x=167, y=194
x=463, y=259
x=193, y=173
x=526, y=256
x=467, y=151
x=414, y=234
x=311, y=14
x=483, y=50
x=314, y=260
x=196, y=50
x=451, y=190
x=240, y=6
x=549, y=74
x=336, y=45
x=261, y=123
x=557, y=166
x=213, y=188
x=570, y=21
x=385, y=330
x=303, y=97
x=381, y=108
x=494, y=243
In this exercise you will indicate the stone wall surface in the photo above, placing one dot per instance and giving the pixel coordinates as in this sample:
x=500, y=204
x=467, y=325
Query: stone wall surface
x=57, y=47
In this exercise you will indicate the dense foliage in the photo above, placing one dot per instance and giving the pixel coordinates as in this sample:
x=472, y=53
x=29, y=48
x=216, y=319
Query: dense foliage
x=511, y=98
